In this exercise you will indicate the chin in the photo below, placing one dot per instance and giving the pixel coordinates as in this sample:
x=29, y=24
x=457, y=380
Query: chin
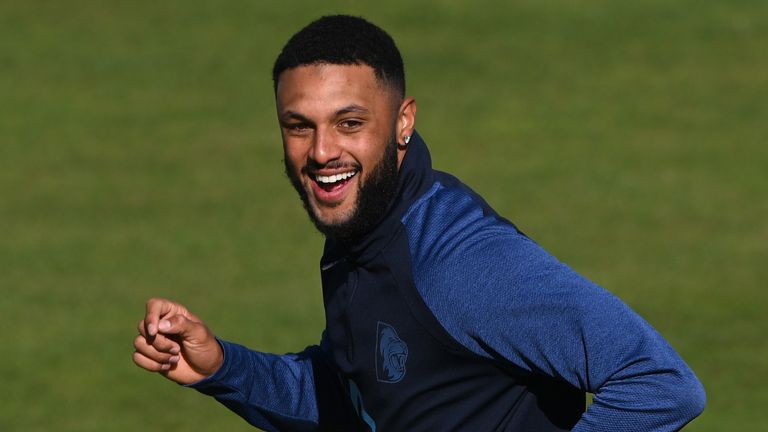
x=333, y=216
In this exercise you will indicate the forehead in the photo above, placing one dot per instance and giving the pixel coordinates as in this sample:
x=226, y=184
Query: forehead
x=326, y=86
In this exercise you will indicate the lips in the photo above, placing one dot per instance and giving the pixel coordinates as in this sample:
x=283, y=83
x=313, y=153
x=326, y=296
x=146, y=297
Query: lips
x=331, y=188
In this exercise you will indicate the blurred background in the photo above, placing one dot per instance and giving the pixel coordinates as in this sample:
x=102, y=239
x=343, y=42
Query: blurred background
x=140, y=156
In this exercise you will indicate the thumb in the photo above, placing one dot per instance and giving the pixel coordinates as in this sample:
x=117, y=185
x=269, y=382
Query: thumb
x=186, y=329
x=199, y=348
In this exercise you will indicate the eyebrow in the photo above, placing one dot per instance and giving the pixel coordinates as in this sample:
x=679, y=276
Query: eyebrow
x=295, y=116
x=353, y=108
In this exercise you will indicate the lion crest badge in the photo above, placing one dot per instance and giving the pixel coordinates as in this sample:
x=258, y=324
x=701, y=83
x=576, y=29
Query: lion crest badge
x=391, y=354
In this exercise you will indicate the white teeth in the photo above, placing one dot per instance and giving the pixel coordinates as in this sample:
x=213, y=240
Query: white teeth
x=334, y=178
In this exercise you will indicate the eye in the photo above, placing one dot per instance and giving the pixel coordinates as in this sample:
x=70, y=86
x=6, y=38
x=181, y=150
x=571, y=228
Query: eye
x=296, y=127
x=350, y=124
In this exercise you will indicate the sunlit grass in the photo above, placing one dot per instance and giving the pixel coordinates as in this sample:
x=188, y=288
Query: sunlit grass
x=139, y=157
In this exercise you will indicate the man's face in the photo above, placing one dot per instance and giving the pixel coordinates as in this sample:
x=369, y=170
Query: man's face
x=339, y=126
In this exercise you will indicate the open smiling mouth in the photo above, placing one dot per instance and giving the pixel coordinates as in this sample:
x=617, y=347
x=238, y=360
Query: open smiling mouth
x=333, y=182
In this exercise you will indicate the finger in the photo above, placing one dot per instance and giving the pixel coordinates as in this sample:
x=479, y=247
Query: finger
x=147, y=363
x=147, y=350
x=158, y=308
x=142, y=327
x=164, y=344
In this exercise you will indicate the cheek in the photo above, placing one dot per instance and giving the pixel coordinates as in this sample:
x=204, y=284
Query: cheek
x=372, y=154
x=294, y=156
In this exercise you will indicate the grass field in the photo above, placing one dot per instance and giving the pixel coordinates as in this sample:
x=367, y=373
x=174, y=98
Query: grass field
x=139, y=156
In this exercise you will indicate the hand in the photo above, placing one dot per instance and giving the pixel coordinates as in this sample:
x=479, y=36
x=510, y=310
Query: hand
x=176, y=343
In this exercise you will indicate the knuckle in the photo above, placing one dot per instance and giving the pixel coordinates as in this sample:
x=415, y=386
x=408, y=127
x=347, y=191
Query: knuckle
x=139, y=341
x=177, y=320
x=153, y=301
x=159, y=342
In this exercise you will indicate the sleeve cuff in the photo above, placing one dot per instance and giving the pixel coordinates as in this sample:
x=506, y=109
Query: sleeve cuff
x=229, y=351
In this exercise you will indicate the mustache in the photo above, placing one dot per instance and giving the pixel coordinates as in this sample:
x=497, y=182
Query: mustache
x=313, y=165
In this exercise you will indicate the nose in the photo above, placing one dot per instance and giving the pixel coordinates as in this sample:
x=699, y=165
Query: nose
x=325, y=147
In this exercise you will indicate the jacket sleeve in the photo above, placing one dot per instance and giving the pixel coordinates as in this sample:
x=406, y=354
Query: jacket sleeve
x=503, y=297
x=290, y=392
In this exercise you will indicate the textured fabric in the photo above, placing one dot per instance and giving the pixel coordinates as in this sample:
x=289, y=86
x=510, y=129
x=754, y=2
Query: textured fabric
x=291, y=392
x=477, y=327
x=277, y=400
x=502, y=296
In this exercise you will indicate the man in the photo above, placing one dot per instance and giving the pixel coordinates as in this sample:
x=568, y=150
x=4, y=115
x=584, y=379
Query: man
x=440, y=314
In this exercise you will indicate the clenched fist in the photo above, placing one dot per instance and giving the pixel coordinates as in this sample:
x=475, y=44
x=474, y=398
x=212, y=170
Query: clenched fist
x=176, y=343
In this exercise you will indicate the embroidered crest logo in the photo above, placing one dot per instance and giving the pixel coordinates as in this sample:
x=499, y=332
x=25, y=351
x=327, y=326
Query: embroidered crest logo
x=391, y=354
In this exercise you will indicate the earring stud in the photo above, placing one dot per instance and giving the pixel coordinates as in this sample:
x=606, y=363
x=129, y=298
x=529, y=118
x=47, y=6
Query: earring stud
x=407, y=139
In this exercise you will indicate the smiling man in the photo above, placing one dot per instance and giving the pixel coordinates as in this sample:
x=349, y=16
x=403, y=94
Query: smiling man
x=440, y=314
x=340, y=126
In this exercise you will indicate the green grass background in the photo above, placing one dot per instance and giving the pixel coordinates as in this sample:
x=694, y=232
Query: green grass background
x=139, y=156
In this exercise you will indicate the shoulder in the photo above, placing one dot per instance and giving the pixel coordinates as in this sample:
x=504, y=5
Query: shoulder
x=452, y=228
x=481, y=277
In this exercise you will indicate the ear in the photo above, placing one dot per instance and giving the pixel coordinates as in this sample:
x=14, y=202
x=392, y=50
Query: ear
x=406, y=119
x=406, y=124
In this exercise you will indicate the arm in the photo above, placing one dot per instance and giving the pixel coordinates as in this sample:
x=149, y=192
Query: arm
x=521, y=305
x=298, y=392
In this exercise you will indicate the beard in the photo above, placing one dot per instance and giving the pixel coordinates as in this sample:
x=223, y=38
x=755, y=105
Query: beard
x=374, y=197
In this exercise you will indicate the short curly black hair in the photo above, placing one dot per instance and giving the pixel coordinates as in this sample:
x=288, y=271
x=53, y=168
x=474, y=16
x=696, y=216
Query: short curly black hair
x=344, y=40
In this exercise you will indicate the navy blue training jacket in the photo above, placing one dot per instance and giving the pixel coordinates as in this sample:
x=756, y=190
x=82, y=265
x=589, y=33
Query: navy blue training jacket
x=447, y=318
